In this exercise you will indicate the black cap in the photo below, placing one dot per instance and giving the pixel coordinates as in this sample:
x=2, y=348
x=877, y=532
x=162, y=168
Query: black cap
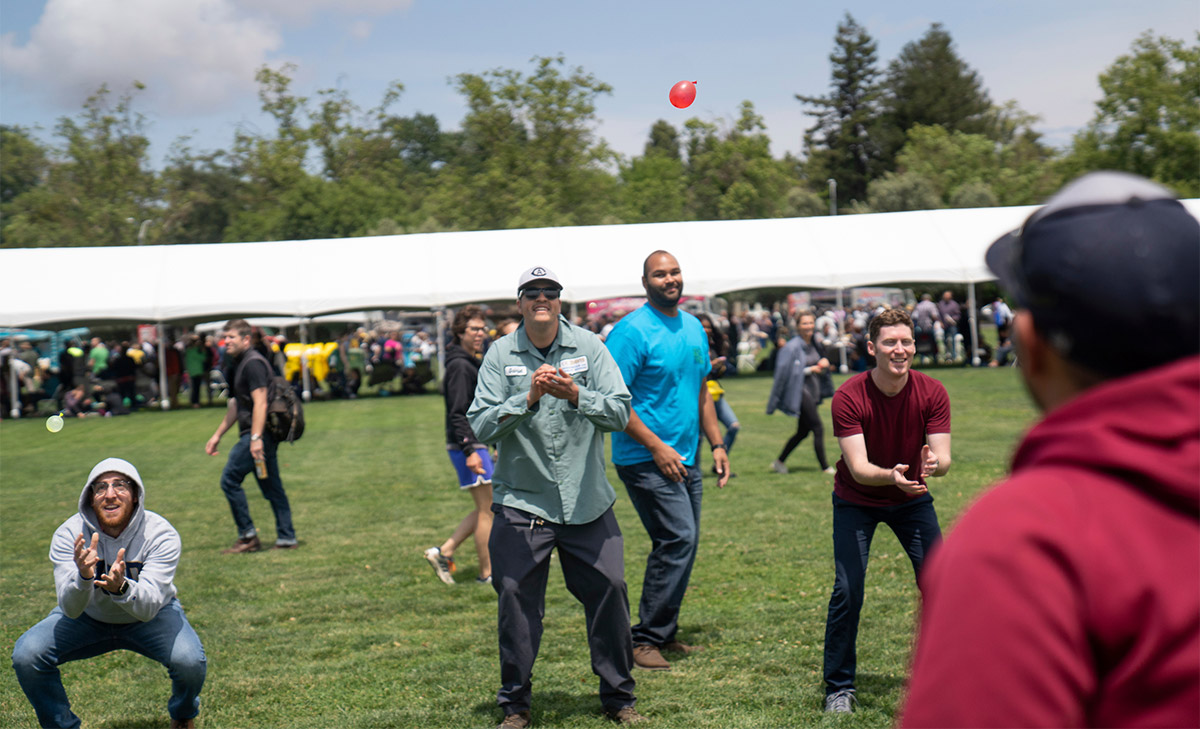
x=1110, y=270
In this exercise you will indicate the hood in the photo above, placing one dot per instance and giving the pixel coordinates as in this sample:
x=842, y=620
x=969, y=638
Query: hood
x=1143, y=429
x=455, y=351
x=116, y=465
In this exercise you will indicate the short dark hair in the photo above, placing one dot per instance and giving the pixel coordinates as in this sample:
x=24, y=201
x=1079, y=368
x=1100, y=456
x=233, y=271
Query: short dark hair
x=646, y=263
x=464, y=315
x=890, y=318
x=241, y=326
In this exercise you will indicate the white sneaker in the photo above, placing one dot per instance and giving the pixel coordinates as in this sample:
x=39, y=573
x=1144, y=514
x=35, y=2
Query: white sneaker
x=841, y=702
x=778, y=466
x=830, y=470
x=443, y=566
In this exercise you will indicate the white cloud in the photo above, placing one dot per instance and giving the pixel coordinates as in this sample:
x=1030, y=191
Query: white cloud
x=194, y=56
x=360, y=30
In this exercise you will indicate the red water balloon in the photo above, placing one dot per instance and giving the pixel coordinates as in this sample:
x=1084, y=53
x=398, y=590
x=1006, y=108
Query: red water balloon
x=683, y=94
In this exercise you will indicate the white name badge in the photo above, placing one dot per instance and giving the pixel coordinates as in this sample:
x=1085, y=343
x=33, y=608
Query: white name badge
x=574, y=366
x=515, y=370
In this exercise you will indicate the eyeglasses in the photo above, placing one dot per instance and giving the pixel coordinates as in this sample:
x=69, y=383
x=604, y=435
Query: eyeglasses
x=122, y=488
x=532, y=294
x=476, y=329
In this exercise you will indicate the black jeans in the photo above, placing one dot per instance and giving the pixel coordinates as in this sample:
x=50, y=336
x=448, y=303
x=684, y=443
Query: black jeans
x=809, y=421
x=593, y=565
x=915, y=525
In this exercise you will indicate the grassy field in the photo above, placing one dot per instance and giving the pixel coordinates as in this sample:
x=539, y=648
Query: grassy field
x=353, y=630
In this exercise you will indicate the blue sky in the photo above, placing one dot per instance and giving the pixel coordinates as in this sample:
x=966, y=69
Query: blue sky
x=198, y=57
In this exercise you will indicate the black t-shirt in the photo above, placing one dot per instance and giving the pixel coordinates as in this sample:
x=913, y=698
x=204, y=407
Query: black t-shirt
x=251, y=372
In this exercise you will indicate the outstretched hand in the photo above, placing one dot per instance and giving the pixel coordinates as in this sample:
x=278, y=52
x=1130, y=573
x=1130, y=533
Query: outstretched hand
x=909, y=487
x=929, y=462
x=114, y=579
x=87, y=556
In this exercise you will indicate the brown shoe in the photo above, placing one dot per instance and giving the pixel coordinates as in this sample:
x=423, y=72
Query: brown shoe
x=649, y=658
x=626, y=715
x=519, y=720
x=244, y=545
x=677, y=646
x=183, y=724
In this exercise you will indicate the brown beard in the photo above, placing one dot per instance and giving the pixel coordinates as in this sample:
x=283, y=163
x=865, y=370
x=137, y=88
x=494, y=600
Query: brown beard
x=108, y=525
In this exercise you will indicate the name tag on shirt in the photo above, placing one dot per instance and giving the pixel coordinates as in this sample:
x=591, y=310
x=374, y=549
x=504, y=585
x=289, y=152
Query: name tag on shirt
x=515, y=370
x=574, y=366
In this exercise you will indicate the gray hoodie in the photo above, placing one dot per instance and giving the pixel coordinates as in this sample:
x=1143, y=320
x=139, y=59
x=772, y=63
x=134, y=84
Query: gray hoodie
x=152, y=549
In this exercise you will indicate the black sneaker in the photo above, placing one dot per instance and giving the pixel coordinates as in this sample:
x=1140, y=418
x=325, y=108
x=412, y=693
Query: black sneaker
x=841, y=702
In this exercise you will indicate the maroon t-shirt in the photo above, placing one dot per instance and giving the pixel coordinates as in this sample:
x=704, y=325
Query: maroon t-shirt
x=894, y=429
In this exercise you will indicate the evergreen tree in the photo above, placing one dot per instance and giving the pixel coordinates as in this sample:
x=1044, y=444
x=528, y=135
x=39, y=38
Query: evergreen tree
x=929, y=84
x=840, y=144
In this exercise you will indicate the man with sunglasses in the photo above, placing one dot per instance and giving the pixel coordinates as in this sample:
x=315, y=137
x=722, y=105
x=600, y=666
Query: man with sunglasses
x=1069, y=594
x=663, y=355
x=546, y=395
x=114, y=568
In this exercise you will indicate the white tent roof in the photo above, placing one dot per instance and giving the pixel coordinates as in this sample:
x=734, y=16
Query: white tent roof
x=313, y=277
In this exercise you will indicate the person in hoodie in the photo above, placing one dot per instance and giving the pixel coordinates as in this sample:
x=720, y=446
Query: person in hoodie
x=114, y=569
x=1069, y=595
x=470, y=457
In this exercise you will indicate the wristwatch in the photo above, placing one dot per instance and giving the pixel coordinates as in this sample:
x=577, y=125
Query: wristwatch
x=715, y=446
x=124, y=588
x=255, y=436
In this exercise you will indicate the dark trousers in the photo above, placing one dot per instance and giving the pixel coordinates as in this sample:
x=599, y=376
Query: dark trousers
x=240, y=465
x=915, y=525
x=593, y=565
x=670, y=511
x=809, y=421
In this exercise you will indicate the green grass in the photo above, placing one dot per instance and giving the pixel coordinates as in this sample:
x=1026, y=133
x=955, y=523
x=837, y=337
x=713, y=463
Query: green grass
x=352, y=630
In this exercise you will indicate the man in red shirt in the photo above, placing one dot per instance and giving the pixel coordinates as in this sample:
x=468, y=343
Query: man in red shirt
x=1069, y=594
x=893, y=426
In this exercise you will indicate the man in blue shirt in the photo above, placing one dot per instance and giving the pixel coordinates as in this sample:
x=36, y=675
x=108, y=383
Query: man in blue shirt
x=663, y=356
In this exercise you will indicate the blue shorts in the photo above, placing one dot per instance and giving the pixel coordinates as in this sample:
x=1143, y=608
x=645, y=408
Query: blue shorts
x=468, y=479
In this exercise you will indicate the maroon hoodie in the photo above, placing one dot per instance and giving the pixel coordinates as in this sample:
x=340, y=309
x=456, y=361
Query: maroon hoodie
x=1069, y=595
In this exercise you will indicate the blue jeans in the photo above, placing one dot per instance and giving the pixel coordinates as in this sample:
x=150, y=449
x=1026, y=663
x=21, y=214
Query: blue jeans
x=241, y=464
x=670, y=512
x=167, y=638
x=593, y=566
x=950, y=339
x=729, y=420
x=915, y=525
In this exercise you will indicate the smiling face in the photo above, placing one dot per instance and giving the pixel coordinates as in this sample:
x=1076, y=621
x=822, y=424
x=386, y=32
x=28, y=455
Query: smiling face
x=114, y=499
x=805, y=326
x=473, y=336
x=893, y=349
x=539, y=311
x=663, y=281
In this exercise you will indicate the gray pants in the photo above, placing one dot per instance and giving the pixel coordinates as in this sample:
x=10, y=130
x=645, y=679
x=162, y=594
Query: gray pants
x=593, y=565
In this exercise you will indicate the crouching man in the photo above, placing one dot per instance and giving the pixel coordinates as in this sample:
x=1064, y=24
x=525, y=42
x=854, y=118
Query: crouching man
x=114, y=565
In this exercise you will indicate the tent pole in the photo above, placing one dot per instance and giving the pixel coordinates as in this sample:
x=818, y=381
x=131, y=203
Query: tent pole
x=974, y=324
x=439, y=316
x=164, y=397
x=841, y=322
x=304, y=360
x=14, y=394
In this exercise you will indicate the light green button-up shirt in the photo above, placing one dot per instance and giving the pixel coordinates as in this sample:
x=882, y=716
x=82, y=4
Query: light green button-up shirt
x=552, y=455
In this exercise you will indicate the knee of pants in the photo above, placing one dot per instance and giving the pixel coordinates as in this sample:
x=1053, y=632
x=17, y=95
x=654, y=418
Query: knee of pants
x=188, y=665
x=31, y=653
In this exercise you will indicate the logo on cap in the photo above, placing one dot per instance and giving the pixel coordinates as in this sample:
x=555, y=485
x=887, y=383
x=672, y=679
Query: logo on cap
x=538, y=271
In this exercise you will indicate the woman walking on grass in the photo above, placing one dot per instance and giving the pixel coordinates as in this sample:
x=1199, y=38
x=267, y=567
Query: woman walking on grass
x=797, y=390
x=470, y=458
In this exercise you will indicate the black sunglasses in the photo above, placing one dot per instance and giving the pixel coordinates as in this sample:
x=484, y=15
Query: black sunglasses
x=550, y=293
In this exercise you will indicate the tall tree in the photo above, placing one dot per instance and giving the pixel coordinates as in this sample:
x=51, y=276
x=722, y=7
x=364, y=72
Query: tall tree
x=733, y=176
x=929, y=84
x=840, y=145
x=98, y=186
x=529, y=154
x=664, y=140
x=1148, y=119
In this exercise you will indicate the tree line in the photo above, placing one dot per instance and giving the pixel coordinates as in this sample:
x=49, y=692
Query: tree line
x=919, y=133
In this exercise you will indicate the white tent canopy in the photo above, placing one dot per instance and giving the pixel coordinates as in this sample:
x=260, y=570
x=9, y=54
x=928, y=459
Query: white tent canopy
x=301, y=279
